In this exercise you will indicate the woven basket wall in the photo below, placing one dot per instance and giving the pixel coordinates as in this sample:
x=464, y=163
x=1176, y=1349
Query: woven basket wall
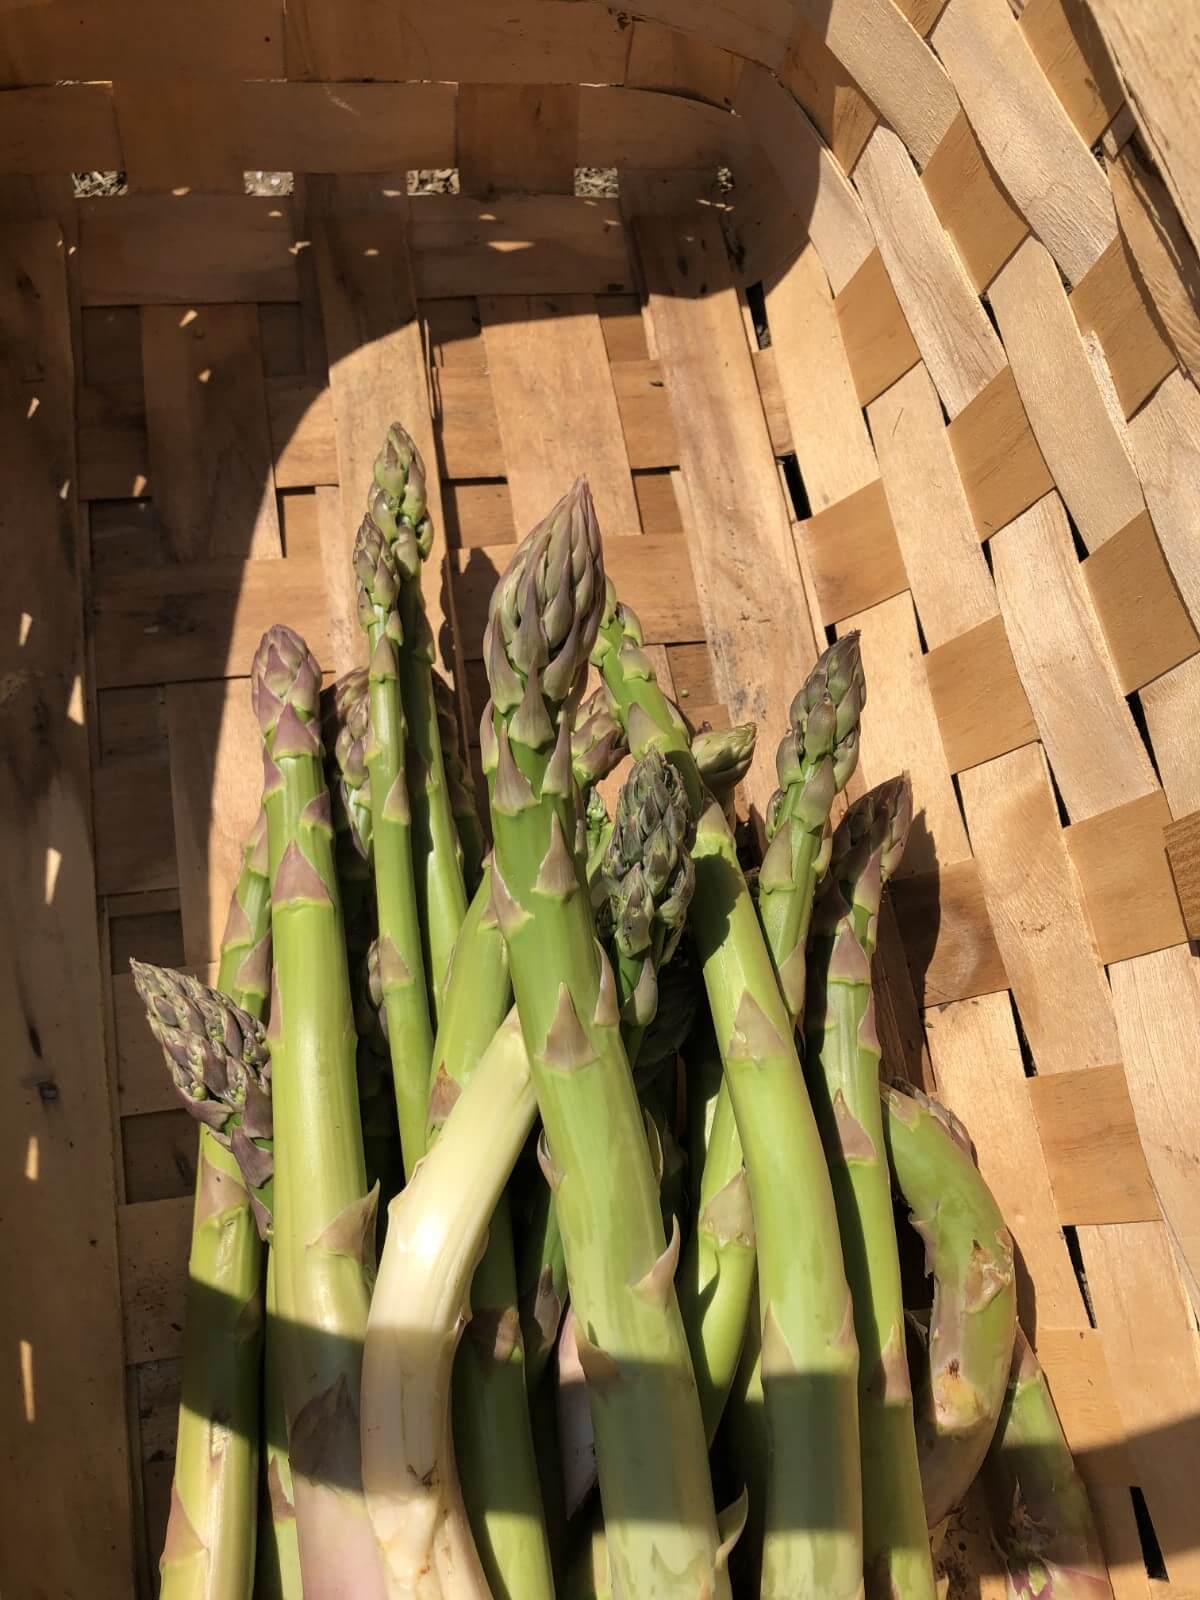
x=924, y=370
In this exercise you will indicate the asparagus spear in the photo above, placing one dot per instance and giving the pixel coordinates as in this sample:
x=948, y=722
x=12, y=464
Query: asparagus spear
x=399, y=509
x=324, y=1217
x=460, y=785
x=435, y=1235
x=1042, y=1518
x=842, y=1067
x=216, y=1056
x=723, y=757
x=402, y=962
x=969, y=1251
x=654, y=1481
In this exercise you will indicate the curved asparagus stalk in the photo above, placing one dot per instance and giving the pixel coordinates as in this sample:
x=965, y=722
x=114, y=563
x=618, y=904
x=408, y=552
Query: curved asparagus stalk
x=654, y=1481
x=436, y=1230
x=723, y=757
x=402, y=962
x=1041, y=1515
x=460, y=785
x=815, y=759
x=209, y=1551
x=398, y=507
x=969, y=1251
x=324, y=1218
x=842, y=1068
x=493, y=1439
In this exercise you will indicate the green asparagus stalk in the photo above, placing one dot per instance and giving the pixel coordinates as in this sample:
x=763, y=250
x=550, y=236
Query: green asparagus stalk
x=461, y=786
x=1041, y=1515
x=324, y=1217
x=723, y=757
x=210, y=1048
x=842, y=1068
x=402, y=961
x=970, y=1253
x=278, y=1570
x=398, y=508
x=435, y=1236
x=812, y=1541
x=815, y=759
x=654, y=1481
x=492, y=1434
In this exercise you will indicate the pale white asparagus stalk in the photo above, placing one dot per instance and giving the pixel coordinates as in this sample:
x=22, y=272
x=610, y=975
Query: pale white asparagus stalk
x=437, y=1228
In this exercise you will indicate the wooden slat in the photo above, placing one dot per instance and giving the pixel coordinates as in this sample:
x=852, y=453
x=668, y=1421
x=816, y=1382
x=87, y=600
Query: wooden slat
x=673, y=62
x=1183, y=854
x=1098, y=757
x=1028, y=137
x=206, y=424
x=646, y=420
x=901, y=734
x=981, y=704
x=545, y=244
x=341, y=127
x=1064, y=37
x=58, y=128
x=853, y=554
x=957, y=342
x=1090, y=1142
x=632, y=129
x=1064, y=404
x=174, y=137
x=478, y=513
x=303, y=440
x=948, y=939
x=1169, y=703
x=1001, y=467
x=468, y=430
x=1157, y=1002
x=1037, y=912
x=833, y=101
x=171, y=624
x=981, y=1076
x=747, y=580
x=1122, y=865
x=658, y=504
x=154, y=1243
x=879, y=343
x=135, y=837
x=547, y=358
x=132, y=725
x=147, y=250
x=158, y=1155
x=766, y=373
x=1145, y=623
x=811, y=178
x=50, y=43
x=972, y=204
x=1165, y=440
x=537, y=154
x=62, y=1422
x=1111, y=302
x=1165, y=254
x=652, y=574
x=951, y=585
x=832, y=447
x=886, y=56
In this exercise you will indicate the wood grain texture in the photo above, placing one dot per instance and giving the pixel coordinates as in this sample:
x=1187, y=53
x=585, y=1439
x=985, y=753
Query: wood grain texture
x=54, y=128
x=888, y=59
x=1169, y=704
x=206, y=426
x=173, y=137
x=832, y=446
x=852, y=553
x=1121, y=861
x=820, y=194
x=981, y=705
x=981, y=1077
x=521, y=244
x=1182, y=839
x=538, y=152
x=1146, y=625
x=972, y=204
x=1098, y=757
x=831, y=99
x=1062, y=399
x=957, y=342
x=1028, y=137
x=548, y=359
x=62, y=1422
x=663, y=58
x=951, y=585
x=747, y=580
x=1037, y=912
x=1071, y=52
x=1149, y=1334
x=134, y=832
x=952, y=952
x=879, y=343
x=1166, y=257
x=901, y=734
x=1090, y=1141
x=1157, y=1003
x=303, y=437
x=1001, y=467
x=641, y=131
x=154, y=1241
x=1165, y=440
x=1111, y=303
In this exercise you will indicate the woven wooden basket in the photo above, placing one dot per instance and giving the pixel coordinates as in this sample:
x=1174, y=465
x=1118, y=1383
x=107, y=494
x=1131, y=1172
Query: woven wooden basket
x=889, y=327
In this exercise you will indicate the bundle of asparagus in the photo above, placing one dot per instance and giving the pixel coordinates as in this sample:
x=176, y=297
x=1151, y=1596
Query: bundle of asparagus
x=571, y=1070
